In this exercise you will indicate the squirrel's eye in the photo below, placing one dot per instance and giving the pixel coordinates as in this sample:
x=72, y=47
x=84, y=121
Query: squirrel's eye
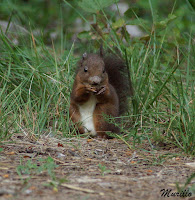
x=85, y=69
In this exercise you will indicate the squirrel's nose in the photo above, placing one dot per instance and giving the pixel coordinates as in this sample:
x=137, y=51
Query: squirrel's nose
x=95, y=80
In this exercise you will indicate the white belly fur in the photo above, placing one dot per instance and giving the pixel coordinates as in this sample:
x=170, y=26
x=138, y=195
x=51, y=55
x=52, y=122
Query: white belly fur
x=86, y=112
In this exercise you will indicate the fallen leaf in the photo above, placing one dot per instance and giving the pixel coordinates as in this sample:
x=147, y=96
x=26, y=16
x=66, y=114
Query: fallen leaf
x=128, y=153
x=32, y=188
x=6, y=176
x=133, y=162
x=11, y=153
x=89, y=140
x=55, y=189
x=149, y=171
x=26, y=157
x=60, y=145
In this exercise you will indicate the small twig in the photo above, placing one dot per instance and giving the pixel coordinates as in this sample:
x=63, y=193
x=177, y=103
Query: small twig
x=79, y=189
x=4, y=168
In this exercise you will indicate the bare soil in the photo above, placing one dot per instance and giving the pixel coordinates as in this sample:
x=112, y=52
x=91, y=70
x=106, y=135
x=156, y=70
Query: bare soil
x=123, y=173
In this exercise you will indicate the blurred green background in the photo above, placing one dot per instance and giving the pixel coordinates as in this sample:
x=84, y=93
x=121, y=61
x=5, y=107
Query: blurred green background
x=52, y=18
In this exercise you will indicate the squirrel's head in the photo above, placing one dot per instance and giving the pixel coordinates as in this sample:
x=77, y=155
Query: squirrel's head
x=91, y=70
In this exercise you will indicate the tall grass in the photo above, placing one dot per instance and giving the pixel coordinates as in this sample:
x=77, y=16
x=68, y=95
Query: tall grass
x=35, y=88
x=36, y=80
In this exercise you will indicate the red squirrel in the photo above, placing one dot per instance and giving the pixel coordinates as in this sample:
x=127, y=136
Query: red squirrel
x=99, y=88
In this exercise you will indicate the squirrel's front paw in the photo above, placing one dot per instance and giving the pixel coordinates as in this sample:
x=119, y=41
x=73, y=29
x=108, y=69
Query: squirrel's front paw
x=91, y=89
x=102, y=90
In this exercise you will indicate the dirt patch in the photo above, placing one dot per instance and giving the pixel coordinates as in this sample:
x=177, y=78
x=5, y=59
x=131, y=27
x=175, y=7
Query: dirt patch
x=88, y=169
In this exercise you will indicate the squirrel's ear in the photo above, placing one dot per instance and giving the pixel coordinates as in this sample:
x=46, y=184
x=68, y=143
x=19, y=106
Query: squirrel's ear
x=84, y=56
x=101, y=51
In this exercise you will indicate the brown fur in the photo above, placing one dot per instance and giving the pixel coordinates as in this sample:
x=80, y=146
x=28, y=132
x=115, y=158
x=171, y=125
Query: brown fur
x=107, y=88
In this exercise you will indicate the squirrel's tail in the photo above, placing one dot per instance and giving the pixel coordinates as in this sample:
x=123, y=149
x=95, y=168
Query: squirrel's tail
x=119, y=78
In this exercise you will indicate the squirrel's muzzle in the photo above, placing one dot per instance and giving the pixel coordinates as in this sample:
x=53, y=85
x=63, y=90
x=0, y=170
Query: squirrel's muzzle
x=95, y=80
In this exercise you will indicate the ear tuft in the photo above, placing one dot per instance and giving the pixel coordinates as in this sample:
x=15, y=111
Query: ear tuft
x=84, y=56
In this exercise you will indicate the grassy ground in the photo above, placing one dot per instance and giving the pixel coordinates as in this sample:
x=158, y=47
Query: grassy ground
x=37, y=73
x=36, y=81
